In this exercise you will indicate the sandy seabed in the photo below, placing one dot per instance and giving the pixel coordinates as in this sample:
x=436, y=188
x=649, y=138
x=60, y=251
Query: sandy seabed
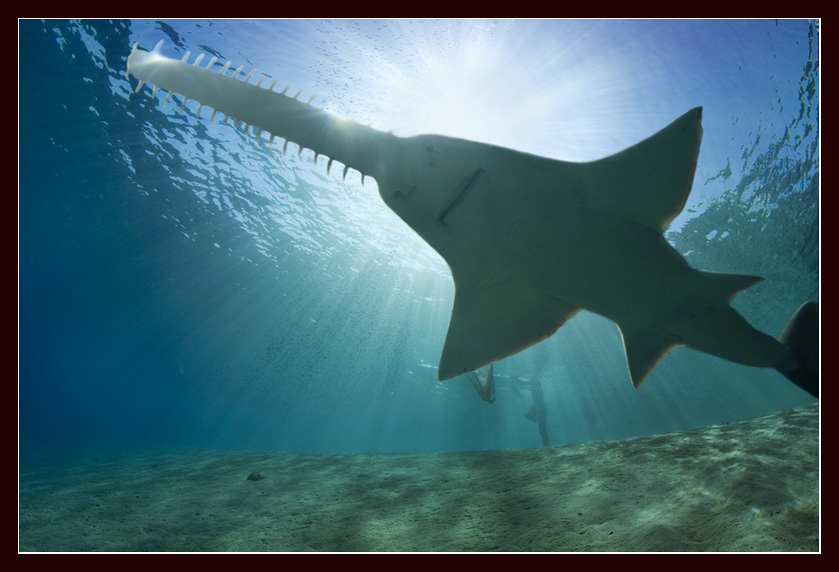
x=745, y=486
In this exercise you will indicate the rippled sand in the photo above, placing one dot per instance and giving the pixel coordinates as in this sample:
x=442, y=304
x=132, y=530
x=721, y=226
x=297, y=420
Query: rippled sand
x=746, y=486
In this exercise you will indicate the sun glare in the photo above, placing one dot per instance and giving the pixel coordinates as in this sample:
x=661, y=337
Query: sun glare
x=491, y=86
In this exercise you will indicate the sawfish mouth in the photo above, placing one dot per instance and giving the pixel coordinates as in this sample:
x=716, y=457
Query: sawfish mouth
x=460, y=194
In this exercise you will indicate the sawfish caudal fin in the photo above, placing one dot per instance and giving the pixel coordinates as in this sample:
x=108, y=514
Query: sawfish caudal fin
x=801, y=338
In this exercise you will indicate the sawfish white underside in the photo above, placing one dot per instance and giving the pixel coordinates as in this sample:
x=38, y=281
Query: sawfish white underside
x=530, y=241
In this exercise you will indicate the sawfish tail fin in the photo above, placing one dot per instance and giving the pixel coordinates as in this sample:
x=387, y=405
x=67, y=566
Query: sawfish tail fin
x=801, y=338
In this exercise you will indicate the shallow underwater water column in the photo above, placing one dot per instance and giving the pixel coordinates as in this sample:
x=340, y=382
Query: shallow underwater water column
x=272, y=306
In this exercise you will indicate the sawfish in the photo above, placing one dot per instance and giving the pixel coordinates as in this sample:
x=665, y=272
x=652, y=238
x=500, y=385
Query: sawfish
x=530, y=241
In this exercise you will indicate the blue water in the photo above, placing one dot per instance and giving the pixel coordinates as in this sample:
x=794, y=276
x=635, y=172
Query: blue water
x=184, y=286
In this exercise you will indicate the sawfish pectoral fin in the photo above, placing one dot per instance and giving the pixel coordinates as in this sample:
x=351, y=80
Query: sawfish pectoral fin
x=489, y=324
x=645, y=350
x=650, y=181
